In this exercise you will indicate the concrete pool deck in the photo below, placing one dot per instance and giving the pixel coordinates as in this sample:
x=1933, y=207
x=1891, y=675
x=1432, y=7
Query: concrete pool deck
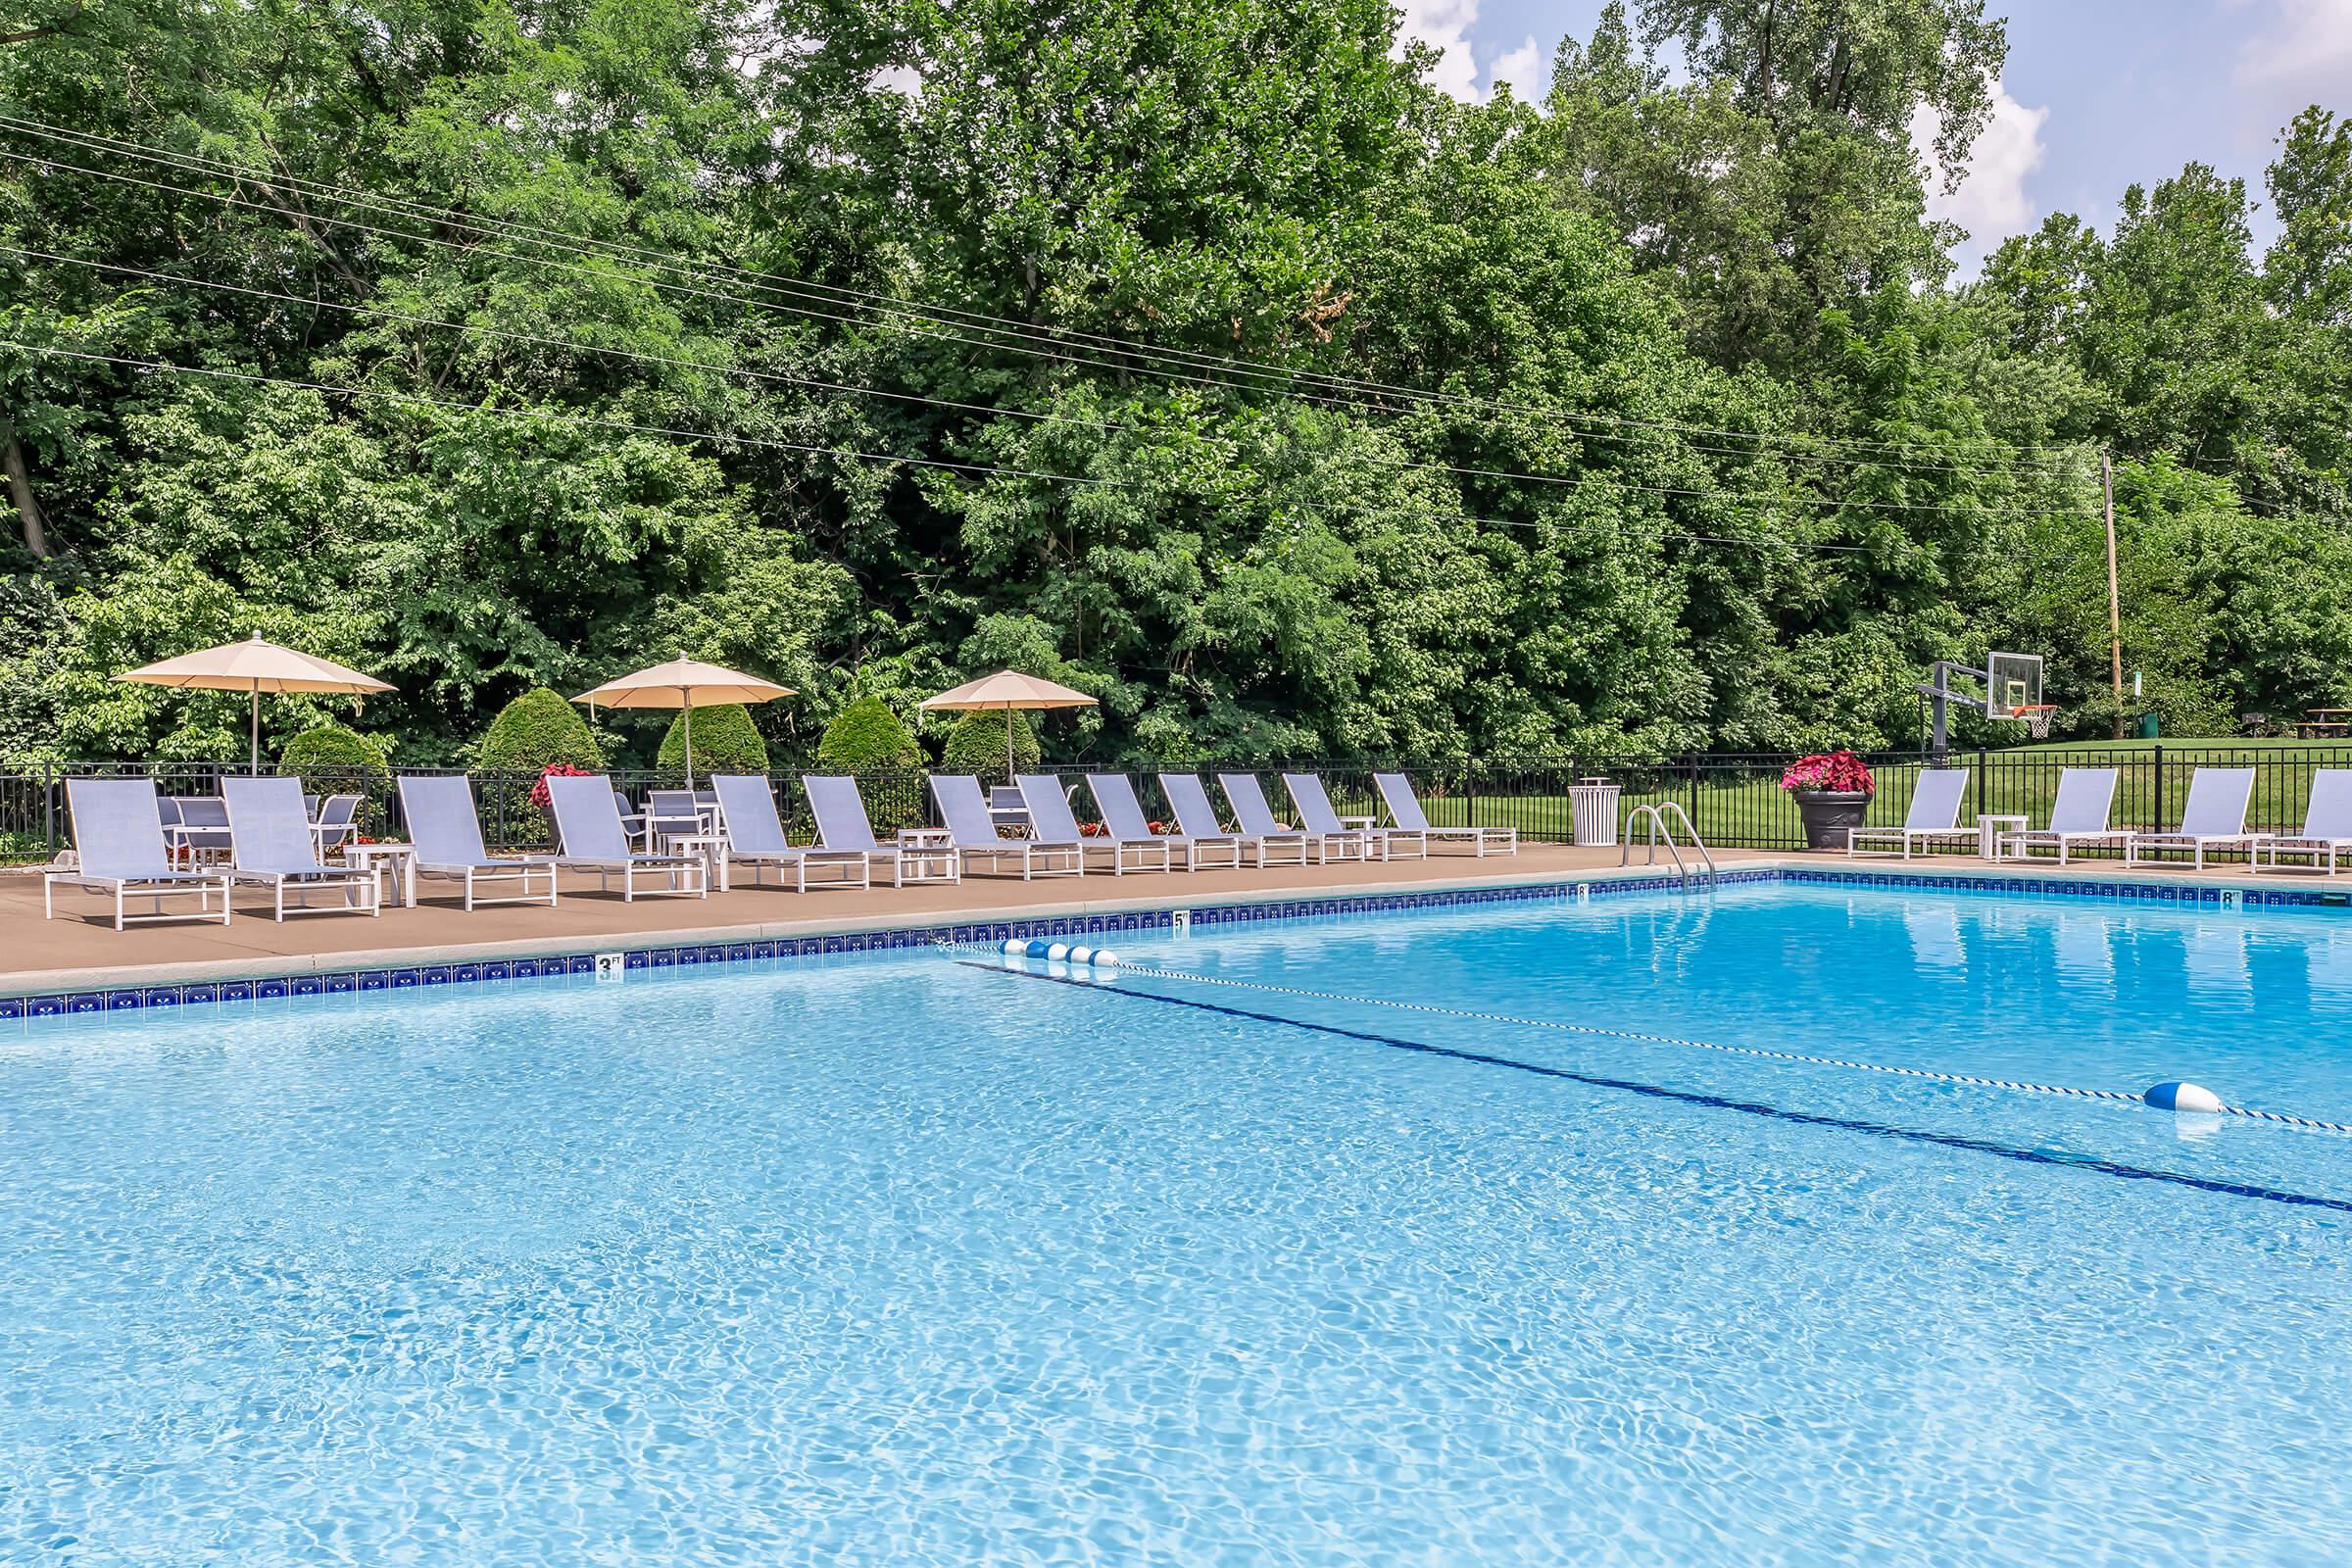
x=81, y=951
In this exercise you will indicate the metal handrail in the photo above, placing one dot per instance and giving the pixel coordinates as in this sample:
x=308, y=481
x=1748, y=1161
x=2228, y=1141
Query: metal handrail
x=1660, y=827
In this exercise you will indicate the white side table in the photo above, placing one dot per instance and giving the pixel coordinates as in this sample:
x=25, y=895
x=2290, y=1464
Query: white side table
x=1990, y=830
x=711, y=846
x=399, y=859
x=926, y=854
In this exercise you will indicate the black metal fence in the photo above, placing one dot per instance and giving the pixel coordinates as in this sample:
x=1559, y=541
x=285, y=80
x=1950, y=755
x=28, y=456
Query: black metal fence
x=1735, y=802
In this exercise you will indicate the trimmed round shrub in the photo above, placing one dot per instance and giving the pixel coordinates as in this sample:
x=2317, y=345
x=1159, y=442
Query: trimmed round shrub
x=866, y=735
x=337, y=760
x=725, y=741
x=535, y=729
x=976, y=745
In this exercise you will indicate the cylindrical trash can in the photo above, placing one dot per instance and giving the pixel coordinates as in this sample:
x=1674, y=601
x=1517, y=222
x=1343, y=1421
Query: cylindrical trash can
x=2147, y=726
x=1593, y=802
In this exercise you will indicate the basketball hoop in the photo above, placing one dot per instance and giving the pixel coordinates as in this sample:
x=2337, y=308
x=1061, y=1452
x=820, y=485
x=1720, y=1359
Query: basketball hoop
x=2035, y=716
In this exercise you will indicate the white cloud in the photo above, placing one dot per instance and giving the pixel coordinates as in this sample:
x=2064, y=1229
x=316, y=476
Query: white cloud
x=1443, y=24
x=1527, y=69
x=2300, y=54
x=1990, y=200
x=901, y=79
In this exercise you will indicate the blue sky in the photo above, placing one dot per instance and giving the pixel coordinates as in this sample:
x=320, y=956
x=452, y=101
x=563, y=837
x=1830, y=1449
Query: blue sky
x=2097, y=96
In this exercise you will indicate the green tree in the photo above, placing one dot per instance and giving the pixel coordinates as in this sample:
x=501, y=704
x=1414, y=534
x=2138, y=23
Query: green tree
x=866, y=734
x=535, y=731
x=725, y=741
x=976, y=745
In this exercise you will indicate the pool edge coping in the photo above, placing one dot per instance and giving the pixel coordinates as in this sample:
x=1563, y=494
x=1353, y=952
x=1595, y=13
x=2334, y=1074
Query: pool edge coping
x=36, y=995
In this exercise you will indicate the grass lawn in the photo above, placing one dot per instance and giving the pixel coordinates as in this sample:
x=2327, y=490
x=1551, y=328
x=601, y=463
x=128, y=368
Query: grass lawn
x=1747, y=808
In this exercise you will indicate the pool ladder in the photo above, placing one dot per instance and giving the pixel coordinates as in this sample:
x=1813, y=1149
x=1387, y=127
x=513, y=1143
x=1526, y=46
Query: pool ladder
x=1660, y=828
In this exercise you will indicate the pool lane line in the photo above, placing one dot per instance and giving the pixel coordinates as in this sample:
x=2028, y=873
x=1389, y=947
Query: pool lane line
x=2022, y=1086
x=1686, y=1097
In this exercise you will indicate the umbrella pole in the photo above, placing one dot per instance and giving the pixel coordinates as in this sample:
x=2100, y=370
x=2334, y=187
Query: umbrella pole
x=687, y=693
x=256, y=762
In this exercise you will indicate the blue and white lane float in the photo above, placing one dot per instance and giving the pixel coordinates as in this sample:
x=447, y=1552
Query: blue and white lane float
x=1060, y=952
x=2193, y=1104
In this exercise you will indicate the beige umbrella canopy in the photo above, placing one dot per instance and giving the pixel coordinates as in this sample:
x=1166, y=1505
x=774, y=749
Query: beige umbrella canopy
x=683, y=683
x=254, y=666
x=1006, y=691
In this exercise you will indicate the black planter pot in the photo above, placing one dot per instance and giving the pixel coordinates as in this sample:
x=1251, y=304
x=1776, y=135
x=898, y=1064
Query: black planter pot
x=1827, y=814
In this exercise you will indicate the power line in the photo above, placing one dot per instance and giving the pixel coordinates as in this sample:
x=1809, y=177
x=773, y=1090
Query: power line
x=547, y=415
x=1353, y=392
x=1563, y=482
x=596, y=420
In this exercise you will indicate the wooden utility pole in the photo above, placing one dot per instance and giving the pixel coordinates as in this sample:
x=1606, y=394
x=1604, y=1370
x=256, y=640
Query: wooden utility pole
x=2115, y=605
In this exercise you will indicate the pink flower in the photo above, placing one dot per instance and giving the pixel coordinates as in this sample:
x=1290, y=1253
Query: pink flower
x=1840, y=771
x=555, y=770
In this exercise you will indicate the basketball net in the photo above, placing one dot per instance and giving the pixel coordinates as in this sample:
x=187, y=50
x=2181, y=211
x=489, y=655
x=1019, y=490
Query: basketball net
x=2036, y=719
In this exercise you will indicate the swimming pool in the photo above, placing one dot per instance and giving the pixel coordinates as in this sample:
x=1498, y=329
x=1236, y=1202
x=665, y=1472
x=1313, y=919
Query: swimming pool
x=918, y=1260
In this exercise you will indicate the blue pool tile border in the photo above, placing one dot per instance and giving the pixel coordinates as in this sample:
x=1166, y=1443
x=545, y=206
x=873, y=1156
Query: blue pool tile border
x=564, y=967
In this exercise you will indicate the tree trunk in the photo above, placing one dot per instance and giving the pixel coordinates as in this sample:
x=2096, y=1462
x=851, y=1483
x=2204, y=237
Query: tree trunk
x=19, y=491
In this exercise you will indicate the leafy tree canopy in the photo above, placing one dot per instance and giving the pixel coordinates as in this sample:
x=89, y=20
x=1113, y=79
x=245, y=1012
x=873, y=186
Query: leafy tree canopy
x=1195, y=353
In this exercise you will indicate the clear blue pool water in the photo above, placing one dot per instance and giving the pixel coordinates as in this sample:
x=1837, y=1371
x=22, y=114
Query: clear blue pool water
x=907, y=1262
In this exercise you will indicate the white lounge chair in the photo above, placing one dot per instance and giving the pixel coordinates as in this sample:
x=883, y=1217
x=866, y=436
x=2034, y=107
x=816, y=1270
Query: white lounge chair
x=1124, y=821
x=675, y=815
x=1255, y=820
x=2078, y=817
x=199, y=825
x=118, y=849
x=1933, y=818
x=1050, y=816
x=1188, y=797
x=2215, y=818
x=590, y=838
x=842, y=824
x=2327, y=827
x=271, y=844
x=972, y=827
x=749, y=821
x=335, y=823
x=446, y=830
x=1404, y=811
x=1372, y=843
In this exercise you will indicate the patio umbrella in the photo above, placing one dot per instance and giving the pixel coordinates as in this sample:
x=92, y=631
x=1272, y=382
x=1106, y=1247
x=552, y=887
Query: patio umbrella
x=1007, y=690
x=682, y=683
x=254, y=666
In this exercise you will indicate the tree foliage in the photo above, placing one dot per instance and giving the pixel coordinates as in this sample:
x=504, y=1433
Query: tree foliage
x=536, y=730
x=866, y=734
x=725, y=741
x=1194, y=353
x=976, y=745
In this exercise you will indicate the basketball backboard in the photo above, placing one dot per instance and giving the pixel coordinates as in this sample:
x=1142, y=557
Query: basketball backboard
x=2011, y=681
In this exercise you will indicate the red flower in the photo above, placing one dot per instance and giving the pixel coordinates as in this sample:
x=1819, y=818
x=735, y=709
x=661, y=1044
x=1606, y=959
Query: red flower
x=1840, y=771
x=556, y=770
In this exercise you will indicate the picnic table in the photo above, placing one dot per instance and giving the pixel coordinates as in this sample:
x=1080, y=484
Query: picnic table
x=2319, y=722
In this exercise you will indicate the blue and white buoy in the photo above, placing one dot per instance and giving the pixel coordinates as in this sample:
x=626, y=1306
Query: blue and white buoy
x=2191, y=1099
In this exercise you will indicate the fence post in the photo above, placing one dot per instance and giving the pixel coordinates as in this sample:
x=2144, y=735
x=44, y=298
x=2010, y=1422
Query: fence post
x=49, y=808
x=1695, y=794
x=2158, y=824
x=1469, y=793
x=1983, y=759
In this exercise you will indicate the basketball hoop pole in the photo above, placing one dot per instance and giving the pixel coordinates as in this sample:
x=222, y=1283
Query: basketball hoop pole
x=1939, y=694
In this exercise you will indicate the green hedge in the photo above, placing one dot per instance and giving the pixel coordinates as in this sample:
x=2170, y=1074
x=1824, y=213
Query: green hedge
x=865, y=735
x=337, y=760
x=535, y=729
x=976, y=745
x=725, y=741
